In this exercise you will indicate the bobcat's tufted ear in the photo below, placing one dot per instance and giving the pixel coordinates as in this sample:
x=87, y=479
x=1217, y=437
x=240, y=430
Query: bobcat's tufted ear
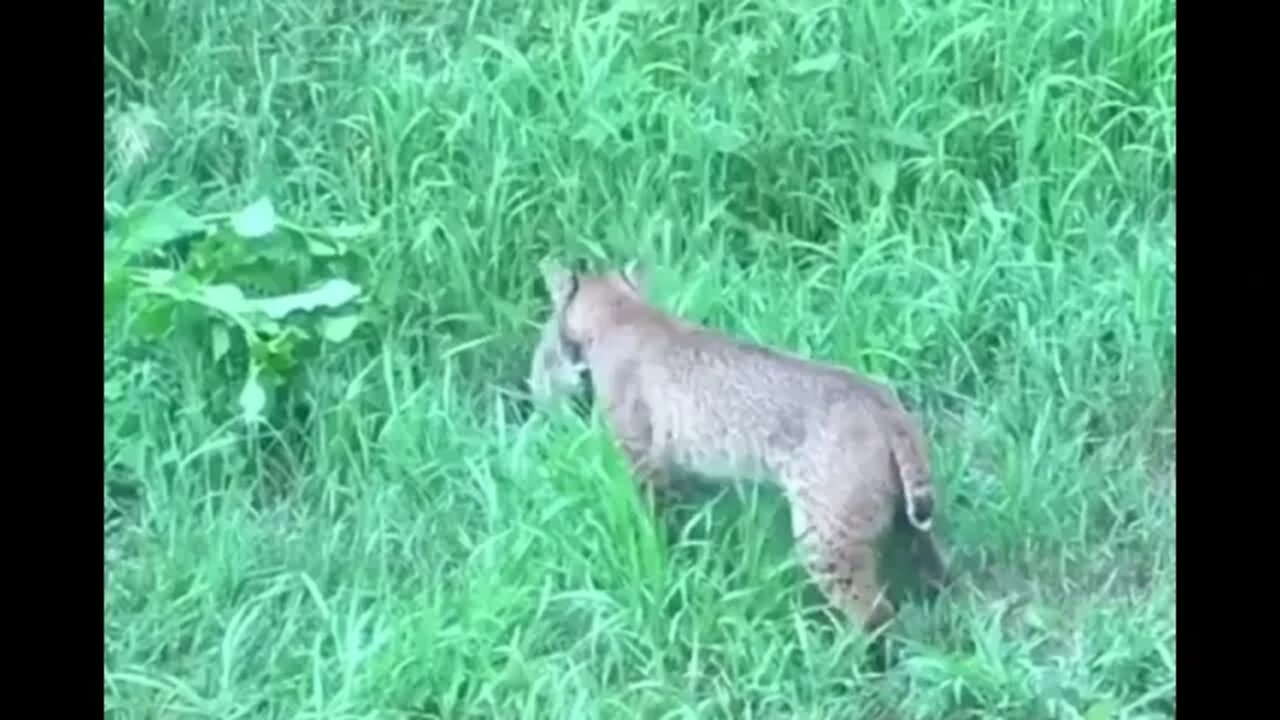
x=636, y=273
x=560, y=281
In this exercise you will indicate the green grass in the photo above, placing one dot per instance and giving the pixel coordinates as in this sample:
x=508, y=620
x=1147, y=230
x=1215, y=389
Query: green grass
x=973, y=200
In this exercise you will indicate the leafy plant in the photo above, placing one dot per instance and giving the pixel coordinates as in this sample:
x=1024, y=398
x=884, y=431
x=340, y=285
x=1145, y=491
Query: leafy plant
x=261, y=293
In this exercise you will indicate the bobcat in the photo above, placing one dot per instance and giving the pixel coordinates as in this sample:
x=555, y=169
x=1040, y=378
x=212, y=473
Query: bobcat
x=850, y=460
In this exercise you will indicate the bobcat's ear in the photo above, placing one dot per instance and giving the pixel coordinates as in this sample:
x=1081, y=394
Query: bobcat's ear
x=636, y=273
x=561, y=282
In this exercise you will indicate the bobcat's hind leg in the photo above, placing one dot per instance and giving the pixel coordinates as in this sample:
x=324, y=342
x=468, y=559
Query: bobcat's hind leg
x=840, y=549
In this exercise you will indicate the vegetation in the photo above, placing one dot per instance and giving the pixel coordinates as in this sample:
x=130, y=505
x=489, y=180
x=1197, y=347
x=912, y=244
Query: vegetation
x=324, y=496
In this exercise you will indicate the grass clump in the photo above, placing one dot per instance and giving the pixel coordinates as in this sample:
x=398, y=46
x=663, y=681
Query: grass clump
x=971, y=199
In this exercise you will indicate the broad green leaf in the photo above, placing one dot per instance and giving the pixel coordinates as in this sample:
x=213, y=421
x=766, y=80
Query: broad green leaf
x=221, y=342
x=338, y=329
x=279, y=353
x=320, y=249
x=253, y=398
x=333, y=293
x=115, y=290
x=227, y=298
x=885, y=175
x=821, y=64
x=113, y=265
x=155, y=225
x=155, y=321
x=155, y=276
x=256, y=220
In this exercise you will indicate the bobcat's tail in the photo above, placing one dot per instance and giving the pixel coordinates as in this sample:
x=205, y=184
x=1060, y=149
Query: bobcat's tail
x=915, y=476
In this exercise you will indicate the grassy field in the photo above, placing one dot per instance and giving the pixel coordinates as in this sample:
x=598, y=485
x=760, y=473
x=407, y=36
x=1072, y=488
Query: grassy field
x=971, y=200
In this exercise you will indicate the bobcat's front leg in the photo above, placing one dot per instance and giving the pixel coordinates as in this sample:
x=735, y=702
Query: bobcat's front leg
x=633, y=430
